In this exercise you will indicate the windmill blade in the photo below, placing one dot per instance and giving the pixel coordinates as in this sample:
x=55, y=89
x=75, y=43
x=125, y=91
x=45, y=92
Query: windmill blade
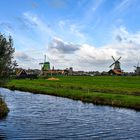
x=41, y=63
x=48, y=58
x=111, y=65
x=45, y=58
x=113, y=58
x=119, y=58
x=138, y=64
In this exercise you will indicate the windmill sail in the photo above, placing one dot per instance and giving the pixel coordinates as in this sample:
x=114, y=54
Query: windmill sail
x=119, y=58
x=113, y=58
x=112, y=65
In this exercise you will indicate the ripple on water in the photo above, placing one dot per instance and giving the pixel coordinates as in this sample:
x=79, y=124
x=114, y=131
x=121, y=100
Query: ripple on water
x=34, y=117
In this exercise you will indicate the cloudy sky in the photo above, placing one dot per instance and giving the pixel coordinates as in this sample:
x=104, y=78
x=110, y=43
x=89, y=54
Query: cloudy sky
x=83, y=34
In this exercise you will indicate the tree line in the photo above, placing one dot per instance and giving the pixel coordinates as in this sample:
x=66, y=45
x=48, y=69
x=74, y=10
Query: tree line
x=7, y=64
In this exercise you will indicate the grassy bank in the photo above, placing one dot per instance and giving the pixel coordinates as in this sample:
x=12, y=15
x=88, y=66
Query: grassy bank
x=3, y=108
x=107, y=90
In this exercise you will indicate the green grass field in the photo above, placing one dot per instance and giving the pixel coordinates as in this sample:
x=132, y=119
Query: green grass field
x=121, y=91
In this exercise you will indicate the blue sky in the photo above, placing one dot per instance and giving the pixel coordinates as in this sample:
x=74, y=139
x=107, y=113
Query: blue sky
x=79, y=33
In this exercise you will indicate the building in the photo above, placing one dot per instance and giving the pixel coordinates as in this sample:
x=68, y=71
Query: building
x=53, y=72
x=137, y=70
x=46, y=71
x=115, y=72
x=21, y=73
x=46, y=66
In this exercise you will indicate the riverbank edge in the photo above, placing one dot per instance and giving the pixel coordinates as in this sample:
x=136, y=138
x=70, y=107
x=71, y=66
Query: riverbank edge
x=96, y=98
x=3, y=109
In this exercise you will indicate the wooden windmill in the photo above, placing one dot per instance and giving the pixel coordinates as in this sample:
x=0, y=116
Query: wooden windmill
x=137, y=70
x=45, y=65
x=117, y=67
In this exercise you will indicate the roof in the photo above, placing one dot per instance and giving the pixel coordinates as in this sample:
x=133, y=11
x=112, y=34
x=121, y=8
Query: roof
x=115, y=71
x=55, y=71
x=19, y=71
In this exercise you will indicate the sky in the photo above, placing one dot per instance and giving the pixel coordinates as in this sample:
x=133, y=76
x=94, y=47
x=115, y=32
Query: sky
x=82, y=34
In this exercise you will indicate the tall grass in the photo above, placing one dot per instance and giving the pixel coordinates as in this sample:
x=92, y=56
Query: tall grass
x=108, y=90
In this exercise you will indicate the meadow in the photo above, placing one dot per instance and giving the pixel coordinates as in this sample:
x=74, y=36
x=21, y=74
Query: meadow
x=119, y=91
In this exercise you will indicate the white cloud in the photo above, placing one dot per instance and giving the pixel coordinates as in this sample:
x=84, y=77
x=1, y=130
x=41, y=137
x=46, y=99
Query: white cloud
x=90, y=9
x=123, y=7
x=63, y=47
x=71, y=30
x=79, y=55
x=74, y=30
x=6, y=26
x=25, y=60
x=61, y=24
x=88, y=57
x=62, y=54
x=41, y=26
x=125, y=36
x=22, y=56
x=124, y=4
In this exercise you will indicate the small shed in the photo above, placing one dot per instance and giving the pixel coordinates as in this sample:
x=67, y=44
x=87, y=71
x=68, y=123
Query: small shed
x=21, y=73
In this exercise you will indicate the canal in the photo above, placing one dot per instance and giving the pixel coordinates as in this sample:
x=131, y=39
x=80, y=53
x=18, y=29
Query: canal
x=38, y=117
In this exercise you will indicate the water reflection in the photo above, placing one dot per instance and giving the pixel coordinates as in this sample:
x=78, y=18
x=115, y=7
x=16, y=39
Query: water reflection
x=2, y=134
x=34, y=116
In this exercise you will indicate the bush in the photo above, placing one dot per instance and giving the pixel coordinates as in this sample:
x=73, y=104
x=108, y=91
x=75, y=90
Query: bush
x=3, y=108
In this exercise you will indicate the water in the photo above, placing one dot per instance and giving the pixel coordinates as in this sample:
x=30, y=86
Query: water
x=38, y=117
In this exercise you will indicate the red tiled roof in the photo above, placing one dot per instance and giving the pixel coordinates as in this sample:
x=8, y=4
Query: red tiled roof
x=117, y=71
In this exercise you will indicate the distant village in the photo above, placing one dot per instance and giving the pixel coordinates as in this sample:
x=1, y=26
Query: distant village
x=47, y=71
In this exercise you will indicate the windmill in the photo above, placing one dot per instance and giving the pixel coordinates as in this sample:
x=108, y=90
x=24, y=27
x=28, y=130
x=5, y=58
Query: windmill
x=45, y=65
x=137, y=65
x=137, y=70
x=117, y=68
x=116, y=64
x=42, y=63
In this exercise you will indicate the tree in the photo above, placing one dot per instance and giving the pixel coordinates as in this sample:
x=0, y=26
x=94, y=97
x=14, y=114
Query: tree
x=7, y=64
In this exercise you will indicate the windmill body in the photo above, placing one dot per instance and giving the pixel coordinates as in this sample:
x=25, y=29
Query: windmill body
x=45, y=65
x=117, y=65
x=137, y=70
